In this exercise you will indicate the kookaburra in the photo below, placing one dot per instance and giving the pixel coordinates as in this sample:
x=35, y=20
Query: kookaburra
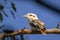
x=35, y=23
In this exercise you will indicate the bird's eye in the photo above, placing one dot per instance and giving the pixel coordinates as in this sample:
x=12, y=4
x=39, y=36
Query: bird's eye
x=30, y=15
x=33, y=16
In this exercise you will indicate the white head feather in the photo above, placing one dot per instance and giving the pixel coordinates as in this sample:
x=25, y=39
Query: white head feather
x=31, y=16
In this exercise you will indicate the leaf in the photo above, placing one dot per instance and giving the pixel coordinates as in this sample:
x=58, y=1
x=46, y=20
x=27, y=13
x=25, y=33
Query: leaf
x=12, y=14
x=2, y=26
x=8, y=31
x=1, y=7
x=1, y=17
x=58, y=25
x=21, y=35
x=5, y=14
x=13, y=6
x=5, y=1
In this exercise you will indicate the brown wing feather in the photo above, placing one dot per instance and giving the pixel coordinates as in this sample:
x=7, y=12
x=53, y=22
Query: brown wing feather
x=41, y=26
x=40, y=23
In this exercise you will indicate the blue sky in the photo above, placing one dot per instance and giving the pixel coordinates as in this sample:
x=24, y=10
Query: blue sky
x=49, y=17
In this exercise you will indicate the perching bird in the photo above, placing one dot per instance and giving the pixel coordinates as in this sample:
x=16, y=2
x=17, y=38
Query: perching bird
x=35, y=23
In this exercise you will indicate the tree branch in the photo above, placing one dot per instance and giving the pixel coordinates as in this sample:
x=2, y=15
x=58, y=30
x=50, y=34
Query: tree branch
x=26, y=31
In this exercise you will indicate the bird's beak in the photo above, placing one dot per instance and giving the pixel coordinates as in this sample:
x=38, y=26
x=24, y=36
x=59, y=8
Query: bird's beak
x=25, y=16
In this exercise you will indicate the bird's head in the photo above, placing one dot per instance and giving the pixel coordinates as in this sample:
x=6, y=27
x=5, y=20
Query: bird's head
x=31, y=16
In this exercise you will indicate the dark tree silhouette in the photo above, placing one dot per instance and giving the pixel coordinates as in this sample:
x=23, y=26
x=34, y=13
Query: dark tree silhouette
x=3, y=12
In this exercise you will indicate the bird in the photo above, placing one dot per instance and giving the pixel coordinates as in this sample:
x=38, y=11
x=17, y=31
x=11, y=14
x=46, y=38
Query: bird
x=35, y=23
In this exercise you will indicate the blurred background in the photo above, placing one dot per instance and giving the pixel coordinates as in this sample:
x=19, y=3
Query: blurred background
x=12, y=12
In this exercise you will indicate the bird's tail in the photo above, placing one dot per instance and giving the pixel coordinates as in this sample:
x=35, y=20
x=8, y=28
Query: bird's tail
x=42, y=31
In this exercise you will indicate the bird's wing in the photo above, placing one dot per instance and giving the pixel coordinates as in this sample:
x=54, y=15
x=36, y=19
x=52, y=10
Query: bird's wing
x=39, y=24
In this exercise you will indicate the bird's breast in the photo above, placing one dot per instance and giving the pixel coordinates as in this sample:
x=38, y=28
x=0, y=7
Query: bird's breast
x=33, y=24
